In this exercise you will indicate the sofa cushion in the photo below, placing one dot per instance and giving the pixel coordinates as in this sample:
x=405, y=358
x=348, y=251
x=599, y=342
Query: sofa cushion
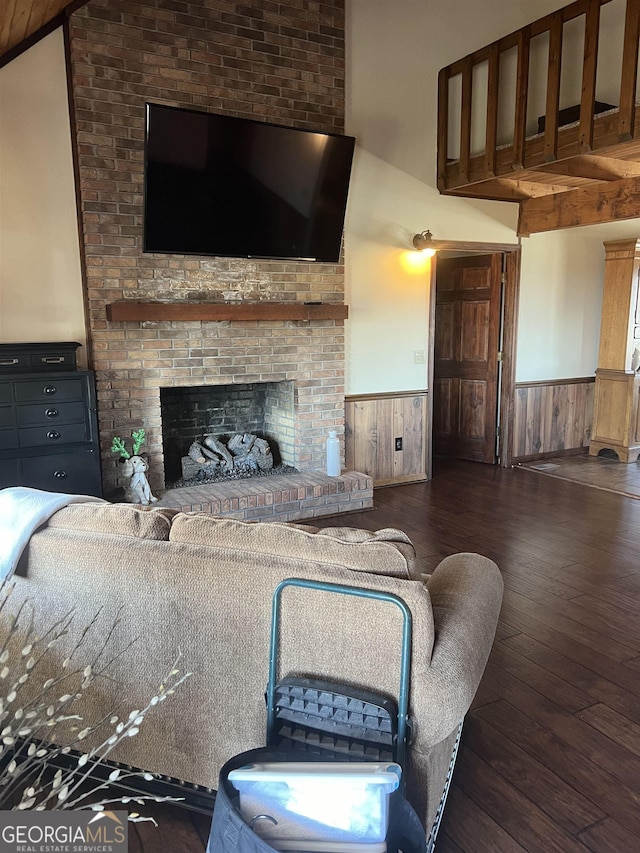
x=121, y=519
x=385, y=552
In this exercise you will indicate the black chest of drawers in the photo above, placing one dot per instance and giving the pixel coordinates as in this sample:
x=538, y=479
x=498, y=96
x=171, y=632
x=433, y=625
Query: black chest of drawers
x=49, y=432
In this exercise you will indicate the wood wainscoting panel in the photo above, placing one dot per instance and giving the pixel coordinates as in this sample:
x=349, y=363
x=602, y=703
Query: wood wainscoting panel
x=552, y=418
x=386, y=436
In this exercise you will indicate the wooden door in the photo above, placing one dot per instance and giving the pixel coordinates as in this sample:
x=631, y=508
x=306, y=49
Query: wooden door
x=467, y=338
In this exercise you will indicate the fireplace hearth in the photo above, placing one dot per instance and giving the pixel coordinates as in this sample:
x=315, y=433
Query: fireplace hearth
x=283, y=498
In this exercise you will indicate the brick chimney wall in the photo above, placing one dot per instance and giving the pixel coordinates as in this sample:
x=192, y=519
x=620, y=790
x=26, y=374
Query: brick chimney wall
x=277, y=61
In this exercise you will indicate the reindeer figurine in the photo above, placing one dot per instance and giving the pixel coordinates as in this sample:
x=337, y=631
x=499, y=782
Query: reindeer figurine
x=134, y=468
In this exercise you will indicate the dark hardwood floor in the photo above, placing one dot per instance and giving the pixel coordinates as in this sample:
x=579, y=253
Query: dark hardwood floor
x=550, y=755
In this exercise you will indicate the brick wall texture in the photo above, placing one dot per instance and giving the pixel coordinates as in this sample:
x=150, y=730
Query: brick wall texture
x=273, y=61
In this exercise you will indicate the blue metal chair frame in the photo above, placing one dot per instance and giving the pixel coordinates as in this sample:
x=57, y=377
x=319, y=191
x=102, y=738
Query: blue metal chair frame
x=359, y=592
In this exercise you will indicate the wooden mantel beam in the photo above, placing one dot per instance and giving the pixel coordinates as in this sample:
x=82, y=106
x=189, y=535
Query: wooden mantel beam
x=585, y=206
x=130, y=310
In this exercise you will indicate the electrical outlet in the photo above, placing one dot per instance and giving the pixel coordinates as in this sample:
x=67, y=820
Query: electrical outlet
x=419, y=356
x=398, y=444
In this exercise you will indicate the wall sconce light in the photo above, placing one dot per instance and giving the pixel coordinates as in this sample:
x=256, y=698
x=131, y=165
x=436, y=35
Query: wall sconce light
x=425, y=243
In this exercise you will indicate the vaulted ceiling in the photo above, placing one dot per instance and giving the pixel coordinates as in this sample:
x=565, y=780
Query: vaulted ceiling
x=20, y=20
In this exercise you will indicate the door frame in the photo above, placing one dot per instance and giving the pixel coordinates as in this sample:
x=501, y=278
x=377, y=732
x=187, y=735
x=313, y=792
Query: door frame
x=511, y=253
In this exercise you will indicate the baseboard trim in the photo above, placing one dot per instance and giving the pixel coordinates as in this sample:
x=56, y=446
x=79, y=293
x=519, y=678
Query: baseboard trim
x=551, y=454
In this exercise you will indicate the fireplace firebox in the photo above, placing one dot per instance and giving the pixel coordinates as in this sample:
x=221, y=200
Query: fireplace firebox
x=264, y=409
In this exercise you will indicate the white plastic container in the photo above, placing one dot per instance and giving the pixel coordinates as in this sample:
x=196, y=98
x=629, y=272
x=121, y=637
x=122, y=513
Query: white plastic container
x=333, y=454
x=328, y=847
x=343, y=804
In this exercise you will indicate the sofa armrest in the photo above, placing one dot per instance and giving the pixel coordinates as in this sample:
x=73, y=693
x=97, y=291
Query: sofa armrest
x=466, y=595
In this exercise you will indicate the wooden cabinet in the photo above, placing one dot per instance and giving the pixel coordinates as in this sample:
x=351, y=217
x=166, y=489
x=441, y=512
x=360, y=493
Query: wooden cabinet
x=386, y=436
x=49, y=433
x=616, y=417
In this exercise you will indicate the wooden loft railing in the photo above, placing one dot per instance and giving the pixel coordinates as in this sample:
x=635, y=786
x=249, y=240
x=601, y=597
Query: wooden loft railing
x=564, y=175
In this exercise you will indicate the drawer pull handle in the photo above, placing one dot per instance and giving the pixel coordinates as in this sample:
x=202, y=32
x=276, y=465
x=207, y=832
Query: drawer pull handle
x=53, y=435
x=49, y=389
x=9, y=362
x=60, y=475
x=52, y=413
x=50, y=359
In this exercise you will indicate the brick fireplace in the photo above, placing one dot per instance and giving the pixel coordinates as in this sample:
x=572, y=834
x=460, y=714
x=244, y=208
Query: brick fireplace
x=281, y=61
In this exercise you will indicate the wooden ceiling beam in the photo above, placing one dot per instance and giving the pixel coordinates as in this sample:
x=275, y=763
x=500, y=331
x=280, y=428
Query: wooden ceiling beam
x=586, y=206
x=510, y=189
x=524, y=189
x=593, y=167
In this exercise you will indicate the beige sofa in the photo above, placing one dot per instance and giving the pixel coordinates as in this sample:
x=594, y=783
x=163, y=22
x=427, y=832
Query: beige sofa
x=203, y=585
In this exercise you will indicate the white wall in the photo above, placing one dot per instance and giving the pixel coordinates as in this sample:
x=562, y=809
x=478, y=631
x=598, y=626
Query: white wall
x=387, y=282
x=395, y=49
x=40, y=276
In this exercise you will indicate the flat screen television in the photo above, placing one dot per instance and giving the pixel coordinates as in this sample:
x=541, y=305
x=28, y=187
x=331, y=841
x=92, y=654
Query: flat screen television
x=234, y=187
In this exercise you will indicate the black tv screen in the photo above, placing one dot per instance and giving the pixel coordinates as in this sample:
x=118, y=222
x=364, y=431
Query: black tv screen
x=217, y=185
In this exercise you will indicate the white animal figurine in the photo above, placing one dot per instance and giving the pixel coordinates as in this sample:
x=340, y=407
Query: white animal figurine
x=136, y=490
